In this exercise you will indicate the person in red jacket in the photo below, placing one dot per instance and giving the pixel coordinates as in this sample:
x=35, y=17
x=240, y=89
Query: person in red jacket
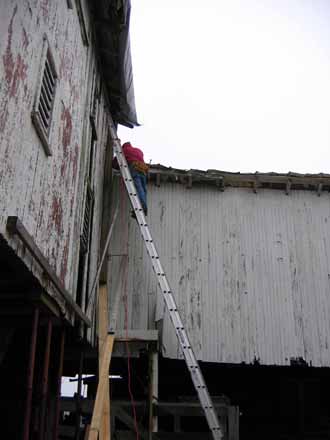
x=138, y=169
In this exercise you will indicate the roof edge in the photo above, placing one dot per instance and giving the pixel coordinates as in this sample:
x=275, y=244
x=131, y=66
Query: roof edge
x=222, y=179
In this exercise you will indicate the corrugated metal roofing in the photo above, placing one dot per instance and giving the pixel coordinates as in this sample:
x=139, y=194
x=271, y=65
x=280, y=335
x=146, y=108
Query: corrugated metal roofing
x=250, y=272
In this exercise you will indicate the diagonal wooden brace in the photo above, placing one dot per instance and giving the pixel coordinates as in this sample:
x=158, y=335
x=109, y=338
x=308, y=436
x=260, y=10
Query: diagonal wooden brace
x=101, y=389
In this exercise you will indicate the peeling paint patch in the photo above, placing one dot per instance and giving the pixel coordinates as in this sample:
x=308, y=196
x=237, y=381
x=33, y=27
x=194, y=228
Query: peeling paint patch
x=19, y=75
x=74, y=160
x=44, y=6
x=67, y=129
x=25, y=39
x=41, y=211
x=63, y=168
x=3, y=119
x=8, y=59
x=65, y=69
x=64, y=261
x=15, y=71
x=75, y=93
x=57, y=214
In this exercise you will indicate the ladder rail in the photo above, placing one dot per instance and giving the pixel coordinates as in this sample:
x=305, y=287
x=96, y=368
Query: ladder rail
x=183, y=339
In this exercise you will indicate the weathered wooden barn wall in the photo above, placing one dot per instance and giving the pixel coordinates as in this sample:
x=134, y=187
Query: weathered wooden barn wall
x=47, y=192
x=250, y=272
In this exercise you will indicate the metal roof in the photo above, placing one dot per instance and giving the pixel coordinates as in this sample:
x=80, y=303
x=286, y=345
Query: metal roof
x=112, y=20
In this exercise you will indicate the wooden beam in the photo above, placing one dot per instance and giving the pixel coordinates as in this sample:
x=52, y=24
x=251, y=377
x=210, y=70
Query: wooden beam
x=255, y=185
x=177, y=436
x=87, y=405
x=101, y=388
x=129, y=422
x=108, y=203
x=233, y=423
x=88, y=427
x=104, y=253
x=191, y=409
x=136, y=335
x=288, y=187
x=16, y=227
x=189, y=181
x=219, y=184
x=103, y=320
x=177, y=423
x=153, y=392
x=103, y=332
x=116, y=293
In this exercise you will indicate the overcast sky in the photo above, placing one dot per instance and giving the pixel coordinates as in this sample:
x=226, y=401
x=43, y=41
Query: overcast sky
x=235, y=85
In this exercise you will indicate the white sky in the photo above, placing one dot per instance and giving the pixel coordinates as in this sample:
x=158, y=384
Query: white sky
x=235, y=85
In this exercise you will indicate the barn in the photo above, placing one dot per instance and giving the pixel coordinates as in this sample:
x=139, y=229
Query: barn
x=66, y=81
x=247, y=259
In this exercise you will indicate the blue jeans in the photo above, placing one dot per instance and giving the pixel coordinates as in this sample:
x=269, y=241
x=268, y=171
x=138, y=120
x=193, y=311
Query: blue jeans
x=140, y=181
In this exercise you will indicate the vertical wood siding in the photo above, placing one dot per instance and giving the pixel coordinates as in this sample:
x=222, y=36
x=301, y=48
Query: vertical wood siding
x=250, y=273
x=47, y=193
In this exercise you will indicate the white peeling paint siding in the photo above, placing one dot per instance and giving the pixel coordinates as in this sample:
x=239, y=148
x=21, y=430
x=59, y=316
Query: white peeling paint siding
x=250, y=273
x=47, y=193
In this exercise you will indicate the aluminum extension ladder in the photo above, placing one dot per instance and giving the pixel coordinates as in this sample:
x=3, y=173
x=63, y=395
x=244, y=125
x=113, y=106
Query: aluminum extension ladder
x=192, y=364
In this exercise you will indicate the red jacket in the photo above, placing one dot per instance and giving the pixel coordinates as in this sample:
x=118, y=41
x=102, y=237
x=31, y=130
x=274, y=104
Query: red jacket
x=132, y=154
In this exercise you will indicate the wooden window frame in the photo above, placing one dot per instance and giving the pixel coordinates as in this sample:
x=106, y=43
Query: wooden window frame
x=44, y=132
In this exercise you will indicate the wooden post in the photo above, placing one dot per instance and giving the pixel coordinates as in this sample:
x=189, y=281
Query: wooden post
x=58, y=385
x=233, y=423
x=78, y=396
x=103, y=332
x=88, y=427
x=150, y=397
x=45, y=374
x=177, y=423
x=30, y=375
x=101, y=388
x=153, y=391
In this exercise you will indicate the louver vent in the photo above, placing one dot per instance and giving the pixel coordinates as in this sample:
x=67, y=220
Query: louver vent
x=85, y=236
x=47, y=95
x=44, y=103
